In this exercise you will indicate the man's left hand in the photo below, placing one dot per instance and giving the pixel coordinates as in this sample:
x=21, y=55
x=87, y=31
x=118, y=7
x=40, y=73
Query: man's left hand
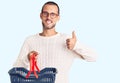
x=71, y=41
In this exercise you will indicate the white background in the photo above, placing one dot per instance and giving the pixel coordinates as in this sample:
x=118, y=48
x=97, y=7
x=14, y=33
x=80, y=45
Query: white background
x=96, y=23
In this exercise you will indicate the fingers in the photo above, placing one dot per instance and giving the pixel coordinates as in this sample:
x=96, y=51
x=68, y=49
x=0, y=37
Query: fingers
x=73, y=34
x=32, y=54
x=69, y=43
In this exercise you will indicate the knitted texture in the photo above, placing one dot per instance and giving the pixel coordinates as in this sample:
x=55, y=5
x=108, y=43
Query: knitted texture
x=53, y=52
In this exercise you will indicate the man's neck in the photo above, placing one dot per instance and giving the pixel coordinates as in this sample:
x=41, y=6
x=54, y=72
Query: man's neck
x=48, y=33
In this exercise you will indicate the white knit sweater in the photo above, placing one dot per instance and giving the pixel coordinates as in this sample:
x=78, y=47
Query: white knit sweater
x=53, y=52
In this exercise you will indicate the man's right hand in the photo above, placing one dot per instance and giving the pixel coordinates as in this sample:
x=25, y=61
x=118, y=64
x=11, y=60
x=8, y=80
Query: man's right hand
x=31, y=53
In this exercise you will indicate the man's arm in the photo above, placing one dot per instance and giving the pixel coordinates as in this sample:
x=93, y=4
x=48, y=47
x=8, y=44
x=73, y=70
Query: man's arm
x=83, y=51
x=22, y=60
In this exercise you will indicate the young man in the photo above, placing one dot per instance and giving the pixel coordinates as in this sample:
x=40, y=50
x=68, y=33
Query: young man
x=53, y=49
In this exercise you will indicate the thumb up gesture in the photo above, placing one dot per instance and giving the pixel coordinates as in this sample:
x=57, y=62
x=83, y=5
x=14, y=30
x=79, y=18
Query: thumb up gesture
x=71, y=41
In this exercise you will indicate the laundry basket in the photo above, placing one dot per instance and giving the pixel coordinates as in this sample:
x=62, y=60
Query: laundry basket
x=46, y=75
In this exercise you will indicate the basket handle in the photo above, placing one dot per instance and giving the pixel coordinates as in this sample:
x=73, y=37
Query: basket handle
x=33, y=64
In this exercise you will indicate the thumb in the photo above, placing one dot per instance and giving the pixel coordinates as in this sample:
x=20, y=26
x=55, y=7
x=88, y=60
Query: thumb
x=73, y=34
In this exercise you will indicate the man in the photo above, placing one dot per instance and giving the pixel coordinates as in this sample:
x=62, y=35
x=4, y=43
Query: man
x=53, y=49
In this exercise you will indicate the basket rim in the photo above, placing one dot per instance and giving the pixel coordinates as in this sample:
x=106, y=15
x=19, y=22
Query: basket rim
x=23, y=72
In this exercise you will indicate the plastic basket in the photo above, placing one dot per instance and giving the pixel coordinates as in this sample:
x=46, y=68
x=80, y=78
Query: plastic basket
x=46, y=75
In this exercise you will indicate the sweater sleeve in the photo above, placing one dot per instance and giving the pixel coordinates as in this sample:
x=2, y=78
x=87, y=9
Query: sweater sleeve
x=22, y=60
x=84, y=52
